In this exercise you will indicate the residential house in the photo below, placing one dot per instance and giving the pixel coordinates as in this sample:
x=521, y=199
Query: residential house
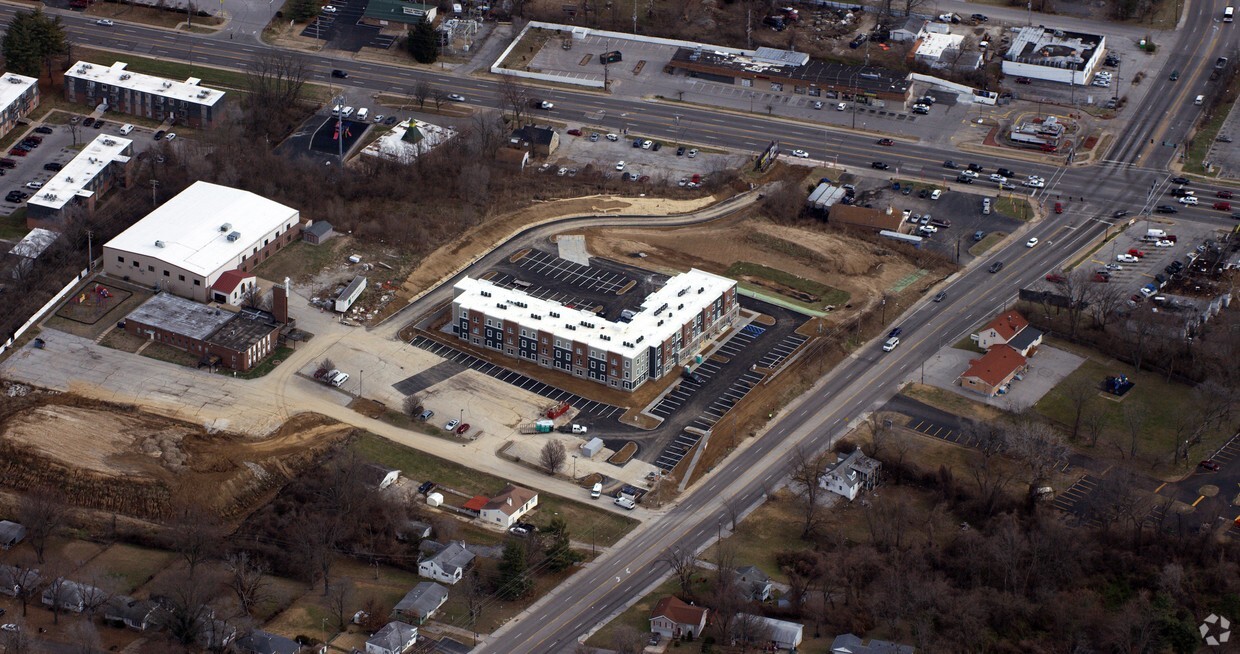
x=318, y=233
x=476, y=503
x=753, y=583
x=851, y=644
x=379, y=476
x=540, y=140
x=911, y=30
x=784, y=634
x=262, y=642
x=393, y=638
x=507, y=508
x=449, y=564
x=420, y=604
x=214, y=634
x=1000, y=330
x=672, y=618
x=11, y=533
x=12, y=578
x=72, y=596
x=863, y=218
x=1026, y=341
x=990, y=374
x=851, y=474
x=514, y=158
x=125, y=611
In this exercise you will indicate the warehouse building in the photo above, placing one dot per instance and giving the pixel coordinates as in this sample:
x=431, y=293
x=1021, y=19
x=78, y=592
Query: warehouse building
x=205, y=231
x=104, y=163
x=1054, y=55
x=113, y=88
x=769, y=70
x=673, y=324
x=19, y=95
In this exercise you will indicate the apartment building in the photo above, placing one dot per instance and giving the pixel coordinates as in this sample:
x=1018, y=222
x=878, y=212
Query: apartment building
x=113, y=88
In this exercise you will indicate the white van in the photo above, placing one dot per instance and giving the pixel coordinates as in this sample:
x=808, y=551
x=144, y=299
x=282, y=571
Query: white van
x=363, y=114
x=1199, y=100
x=597, y=491
x=126, y=129
x=346, y=112
x=891, y=344
x=337, y=378
x=626, y=502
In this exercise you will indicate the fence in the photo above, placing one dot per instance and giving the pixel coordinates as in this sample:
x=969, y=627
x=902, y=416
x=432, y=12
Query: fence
x=38, y=315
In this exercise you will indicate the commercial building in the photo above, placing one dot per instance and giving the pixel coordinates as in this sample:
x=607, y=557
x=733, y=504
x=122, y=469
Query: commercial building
x=216, y=336
x=397, y=16
x=104, y=163
x=673, y=324
x=112, y=88
x=205, y=231
x=18, y=96
x=1045, y=135
x=409, y=140
x=1009, y=341
x=790, y=73
x=1054, y=55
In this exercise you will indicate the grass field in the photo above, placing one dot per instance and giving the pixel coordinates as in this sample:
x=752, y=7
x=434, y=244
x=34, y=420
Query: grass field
x=584, y=520
x=13, y=226
x=300, y=261
x=125, y=568
x=119, y=339
x=951, y=402
x=826, y=295
x=636, y=616
x=990, y=240
x=1015, y=207
x=169, y=354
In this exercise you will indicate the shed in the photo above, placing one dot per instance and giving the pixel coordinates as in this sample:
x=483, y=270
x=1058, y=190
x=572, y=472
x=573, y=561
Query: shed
x=594, y=446
x=319, y=232
x=11, y=533
x=434, y=499
x=350, y=294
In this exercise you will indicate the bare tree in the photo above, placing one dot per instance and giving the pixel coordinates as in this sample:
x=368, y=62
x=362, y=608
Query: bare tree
x=1105, y=301
x=275, y=83
x=1134, y=422
x=421, y=91
x=18, y=641
x=27, y=585
x=324, y=366
x=195, y=533
x=85, y=636
x=989, y=473
x=880, y=433
x=247, y=579
x=439, y=97
x=1079, y=392
x=340, y=600
x=41, y=511
x=683, y=564
x=1037, y=444
x=514, y=97
x=627, y=640
x=806, y=483
x=1095, y=422
x=552, y=456
x=412, y=405
x=475, y=596
x=751, y=631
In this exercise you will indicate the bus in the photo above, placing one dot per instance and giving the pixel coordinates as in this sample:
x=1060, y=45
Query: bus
x=1229, y=14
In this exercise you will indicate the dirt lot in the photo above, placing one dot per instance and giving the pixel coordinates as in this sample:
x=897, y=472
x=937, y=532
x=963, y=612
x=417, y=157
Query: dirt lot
x=116, y=458
x=859, y=268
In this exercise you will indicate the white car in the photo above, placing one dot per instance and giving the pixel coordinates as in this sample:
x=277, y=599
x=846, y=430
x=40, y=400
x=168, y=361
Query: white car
x=562, y=172
x=646, y=144
x=1031, y=242
x=171, y=136
x=452, y=424
x=1034, y=183
x=692, y=153
x=329, y=9
x=1189, y=200
x=936, y=194
x=9, y=627
x=840, y=107
x=906, y=215
x=969, y=173
x=456, y=97
x=800, y=153
x=929, y=229
x=1113, y=266
x=613, y=137
x=1164, y=244
x=105, y=22
x=1126, y=258
x=547, y=105
x=34, y=185
x=996, y=177
x=620, y=166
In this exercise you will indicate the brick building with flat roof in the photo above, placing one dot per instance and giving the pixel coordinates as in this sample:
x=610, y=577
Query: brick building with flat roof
x=122, y=91
x=216, y=336
x=19, y=95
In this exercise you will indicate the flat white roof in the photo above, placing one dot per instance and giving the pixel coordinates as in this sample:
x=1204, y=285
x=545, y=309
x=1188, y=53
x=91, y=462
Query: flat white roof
x=12, y=86
x=73, y=179
x=116, y=75
x=933, y=45
x=393, y=146
x=192, y=228
x=662, y=313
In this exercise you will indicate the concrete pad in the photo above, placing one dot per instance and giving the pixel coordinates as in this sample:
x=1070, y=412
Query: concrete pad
x=1046, y=369
x=573, y=248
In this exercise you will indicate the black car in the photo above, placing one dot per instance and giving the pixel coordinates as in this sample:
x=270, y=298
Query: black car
x=878, y=165
x=949, y=164
x=938, y=297
x=637, y=143
x=964, y=179
x=924, y=193
x=680, y=151
x=996, y=267
x=159, y=134
x=1006, y=172
x=391, y=120
x=53, y=166
x=895, y=332
x=88, y=122
x=975, y=168
x=100, y=123
x=43, y=129
x=656, y=146
x=339, y=74
x=693, y=377
x=1179, y=180
x=426, y=487
x=981, y=18
x=1120, y=214
x=1166, y=208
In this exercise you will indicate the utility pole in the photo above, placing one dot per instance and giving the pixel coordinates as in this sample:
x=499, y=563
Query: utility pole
x=89, y=259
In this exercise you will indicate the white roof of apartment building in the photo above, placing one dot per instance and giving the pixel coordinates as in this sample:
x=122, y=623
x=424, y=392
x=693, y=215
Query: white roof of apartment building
x=662, y=312
x=73, y=179
x=12, y=86
x=116, y=75
x=191, y=230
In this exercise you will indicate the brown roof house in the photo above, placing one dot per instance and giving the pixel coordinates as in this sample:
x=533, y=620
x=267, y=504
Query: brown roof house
x=1001, y=330
x=863, y=218
x=991, y=374
x=673, y=618
x=506, y=508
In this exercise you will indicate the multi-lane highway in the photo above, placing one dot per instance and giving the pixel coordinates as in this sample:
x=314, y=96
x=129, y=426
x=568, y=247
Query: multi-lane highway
x=1133, y=178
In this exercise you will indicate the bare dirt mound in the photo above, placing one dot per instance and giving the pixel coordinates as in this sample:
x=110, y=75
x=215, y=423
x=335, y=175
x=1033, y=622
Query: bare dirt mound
x=118, y=459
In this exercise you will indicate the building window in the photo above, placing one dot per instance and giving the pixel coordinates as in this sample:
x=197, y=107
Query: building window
x=150, y=268
x=121, y=259
x=166, y=274
x=197, y=282
x=181, y=277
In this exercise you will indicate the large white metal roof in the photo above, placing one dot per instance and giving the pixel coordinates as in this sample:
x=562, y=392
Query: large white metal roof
x=73, y=179
x=116, y=75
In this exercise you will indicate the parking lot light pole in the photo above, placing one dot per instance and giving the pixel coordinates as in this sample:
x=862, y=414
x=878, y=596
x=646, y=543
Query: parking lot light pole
x=574, y=466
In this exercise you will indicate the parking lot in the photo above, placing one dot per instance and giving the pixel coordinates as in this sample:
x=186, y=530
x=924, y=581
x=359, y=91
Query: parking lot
x=963, y=208
x=662, y=166
x=1153, y=260
x=605, y=287
x=342, y=31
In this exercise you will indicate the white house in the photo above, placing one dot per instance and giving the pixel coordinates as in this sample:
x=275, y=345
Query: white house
x=753, y=584
x=506, y=509
x=850, y=474
x=393, y=638
x=72, y=596
x=672, y=618
x=1002, y=329
x=448, y=565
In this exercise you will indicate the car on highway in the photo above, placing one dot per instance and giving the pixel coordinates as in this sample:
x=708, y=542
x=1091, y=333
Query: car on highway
x=339, y=74
x=1189, y=201
x=995, y=267
x=977, y=168
x=891, y=344
x=1222, y=206
x=104, y=22
x=800, y=153
x=1126, y=258
x=546, y=105
x=1034, y=183
x=1175, y=74
x=971, y=174
x=949, y=164
x=1166, y=208
x=981, y=18
x=940, y=296
x=964, y=179
x=1006, y=172
x=1179, y=180
x=878, y=165
x=451, y=425
x=1210, y=465
x=1031, y=242
x=895, y=332
x=1226, y=195
x=996, y=177
x=456, y=97
x=886, y=142
x=1120, y=214
x=1058, y=207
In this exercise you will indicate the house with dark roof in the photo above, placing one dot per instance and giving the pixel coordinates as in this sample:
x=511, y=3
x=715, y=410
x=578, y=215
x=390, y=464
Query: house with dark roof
x=233, y=286
x=397, y=16
x=262, y=642
x=911, y=30
x=990, y=374
x=515, y=158
x=318, y=233
x=672, y=618
x=448, y=565
x=72, y=596
x=393, y=638
x=539, y=140
x=125, y=611
x=12, y=578
x=11, y=533
x=851, y=474
x=1001, y=329
x=863, y=218
x=420, y=604
x=852, y=644
x=506, y=509
x=753, y=583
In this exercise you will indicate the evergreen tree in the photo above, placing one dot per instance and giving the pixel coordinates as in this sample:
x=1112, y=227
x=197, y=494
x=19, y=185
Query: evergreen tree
x=423, y=43
x=31, y=39
x=301, y=10
x=560, y=555
x=514, y=581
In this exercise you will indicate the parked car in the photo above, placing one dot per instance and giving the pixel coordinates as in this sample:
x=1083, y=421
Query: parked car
x=574, y=132
x=451, y=425
x=1179, y=180
x=1209, y=464
x=159, y=135
x=936, y=194
x=53, y=166
x=1126, y=258
x=43, y=129
x=460, y=431
x=88, y=122
x=1056, y=278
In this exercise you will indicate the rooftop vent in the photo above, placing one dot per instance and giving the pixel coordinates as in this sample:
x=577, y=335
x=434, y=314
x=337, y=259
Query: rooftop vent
x=159, y=244
x=225, y=227
x=233, y=236
x=125, y=76
x=14, y=80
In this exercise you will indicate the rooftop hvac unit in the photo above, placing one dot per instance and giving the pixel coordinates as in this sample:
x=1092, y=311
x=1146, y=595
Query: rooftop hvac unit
x=125, y=76
x=159, y=244
x=232, y=236
x=13, y=80
x=225, y=227
x=167, y=85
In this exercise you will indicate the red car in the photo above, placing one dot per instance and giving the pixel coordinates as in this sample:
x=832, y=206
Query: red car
x=1222, y=206
x=1101, y=279
x=1058, y=207
x=887, y=142
x=1136, y=253
x=460, y=431
x=1056, y=278
x=1209, y=464
x=574, y=132
x=1224, y=194
x=17, y=152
